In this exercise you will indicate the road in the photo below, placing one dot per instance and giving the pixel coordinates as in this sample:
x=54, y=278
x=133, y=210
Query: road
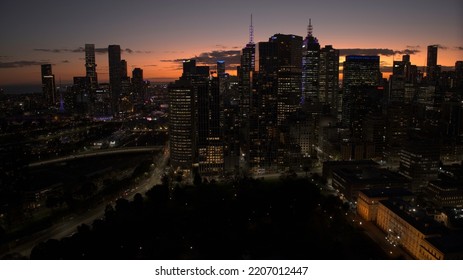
x=97, y=153
x=68, y=225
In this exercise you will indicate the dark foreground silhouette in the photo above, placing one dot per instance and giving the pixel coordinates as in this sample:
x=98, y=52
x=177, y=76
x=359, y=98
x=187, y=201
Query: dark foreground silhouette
x=247, y=219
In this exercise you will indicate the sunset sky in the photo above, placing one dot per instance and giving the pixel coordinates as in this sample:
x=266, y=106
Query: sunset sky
x=156, y=35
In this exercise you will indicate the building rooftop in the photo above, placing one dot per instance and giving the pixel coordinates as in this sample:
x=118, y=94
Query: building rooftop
x=386, y=192
x=414, y=216
x=370, y=175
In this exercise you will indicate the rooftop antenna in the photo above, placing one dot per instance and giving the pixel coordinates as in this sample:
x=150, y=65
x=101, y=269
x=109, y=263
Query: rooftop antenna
x=251, y=33
x=309, y=28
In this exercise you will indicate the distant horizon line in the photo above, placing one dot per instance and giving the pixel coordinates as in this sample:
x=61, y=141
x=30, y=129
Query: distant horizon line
x=27, y=84
x=27, y=87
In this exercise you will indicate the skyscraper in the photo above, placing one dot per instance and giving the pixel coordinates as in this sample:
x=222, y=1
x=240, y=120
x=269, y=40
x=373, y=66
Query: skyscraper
x=220, y=68
x=181, y=125
x=125, y=100
x=361, y=76
x=280, y=67
x=246, y=74
x=246, y=71
x=138, y=85
x=90, y=66
x=397, y=81
x=278, y=95
x=459, y=74
x=432, y=69
x=196, y=121
x=328, y=80
x=48, y=85
x=310, y=67
x=361, y=70
x=123, y=69
x=115, y=74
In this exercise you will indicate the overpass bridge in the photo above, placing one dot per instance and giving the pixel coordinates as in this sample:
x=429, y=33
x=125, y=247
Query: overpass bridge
x=112, y=151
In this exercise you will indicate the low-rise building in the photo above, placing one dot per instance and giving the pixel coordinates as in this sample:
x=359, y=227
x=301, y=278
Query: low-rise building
x=368, y=200
x=407, y=226
x=329, y=166
x=445, y=193
x=349, y=181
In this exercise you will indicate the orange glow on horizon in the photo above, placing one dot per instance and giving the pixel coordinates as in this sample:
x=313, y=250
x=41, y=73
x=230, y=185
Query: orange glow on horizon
x=166, y=67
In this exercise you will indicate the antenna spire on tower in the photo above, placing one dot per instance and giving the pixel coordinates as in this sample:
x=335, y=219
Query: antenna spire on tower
x=309, y=28
x=251, y=33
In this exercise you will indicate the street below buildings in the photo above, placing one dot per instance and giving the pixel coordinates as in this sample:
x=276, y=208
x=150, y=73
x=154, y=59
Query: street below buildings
x=67, y=226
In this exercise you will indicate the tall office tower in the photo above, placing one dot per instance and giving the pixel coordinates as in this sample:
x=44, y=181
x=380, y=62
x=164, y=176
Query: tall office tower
x=278, y=95
x=432, y=69
x=195, y=121
x=48, y=85
x=360, y=93
x=419, y=162
x=138, y=85
x=222, y=78
x=181, y=125
x=220, y=68
x=90, y=66
x=246, y=74
x=459, y=74
x=189, y=69
x=123, y=69
x=397, y=125
x=329, y=79
x=310, y=67
x=81, y=95
x=361, y=70
x=397, y=82
x=280, y=67
x=115, y=74
x=209, y=123
x=125, y=100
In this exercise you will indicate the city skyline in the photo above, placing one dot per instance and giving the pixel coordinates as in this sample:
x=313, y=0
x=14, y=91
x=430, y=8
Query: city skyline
x=157, y=38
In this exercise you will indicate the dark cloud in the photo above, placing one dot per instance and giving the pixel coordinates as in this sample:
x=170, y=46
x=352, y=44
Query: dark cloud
x=78, y=50
x=385, y=52
x=177, y=60
x=48, y=50
x=150, y=65
x=413, y=46
x=65, y=61
x=231, y=58
x=101, y=50
x=408, y=51
x=21, y=63
x=442, y=47
x=460, y=48
x=82, y=50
